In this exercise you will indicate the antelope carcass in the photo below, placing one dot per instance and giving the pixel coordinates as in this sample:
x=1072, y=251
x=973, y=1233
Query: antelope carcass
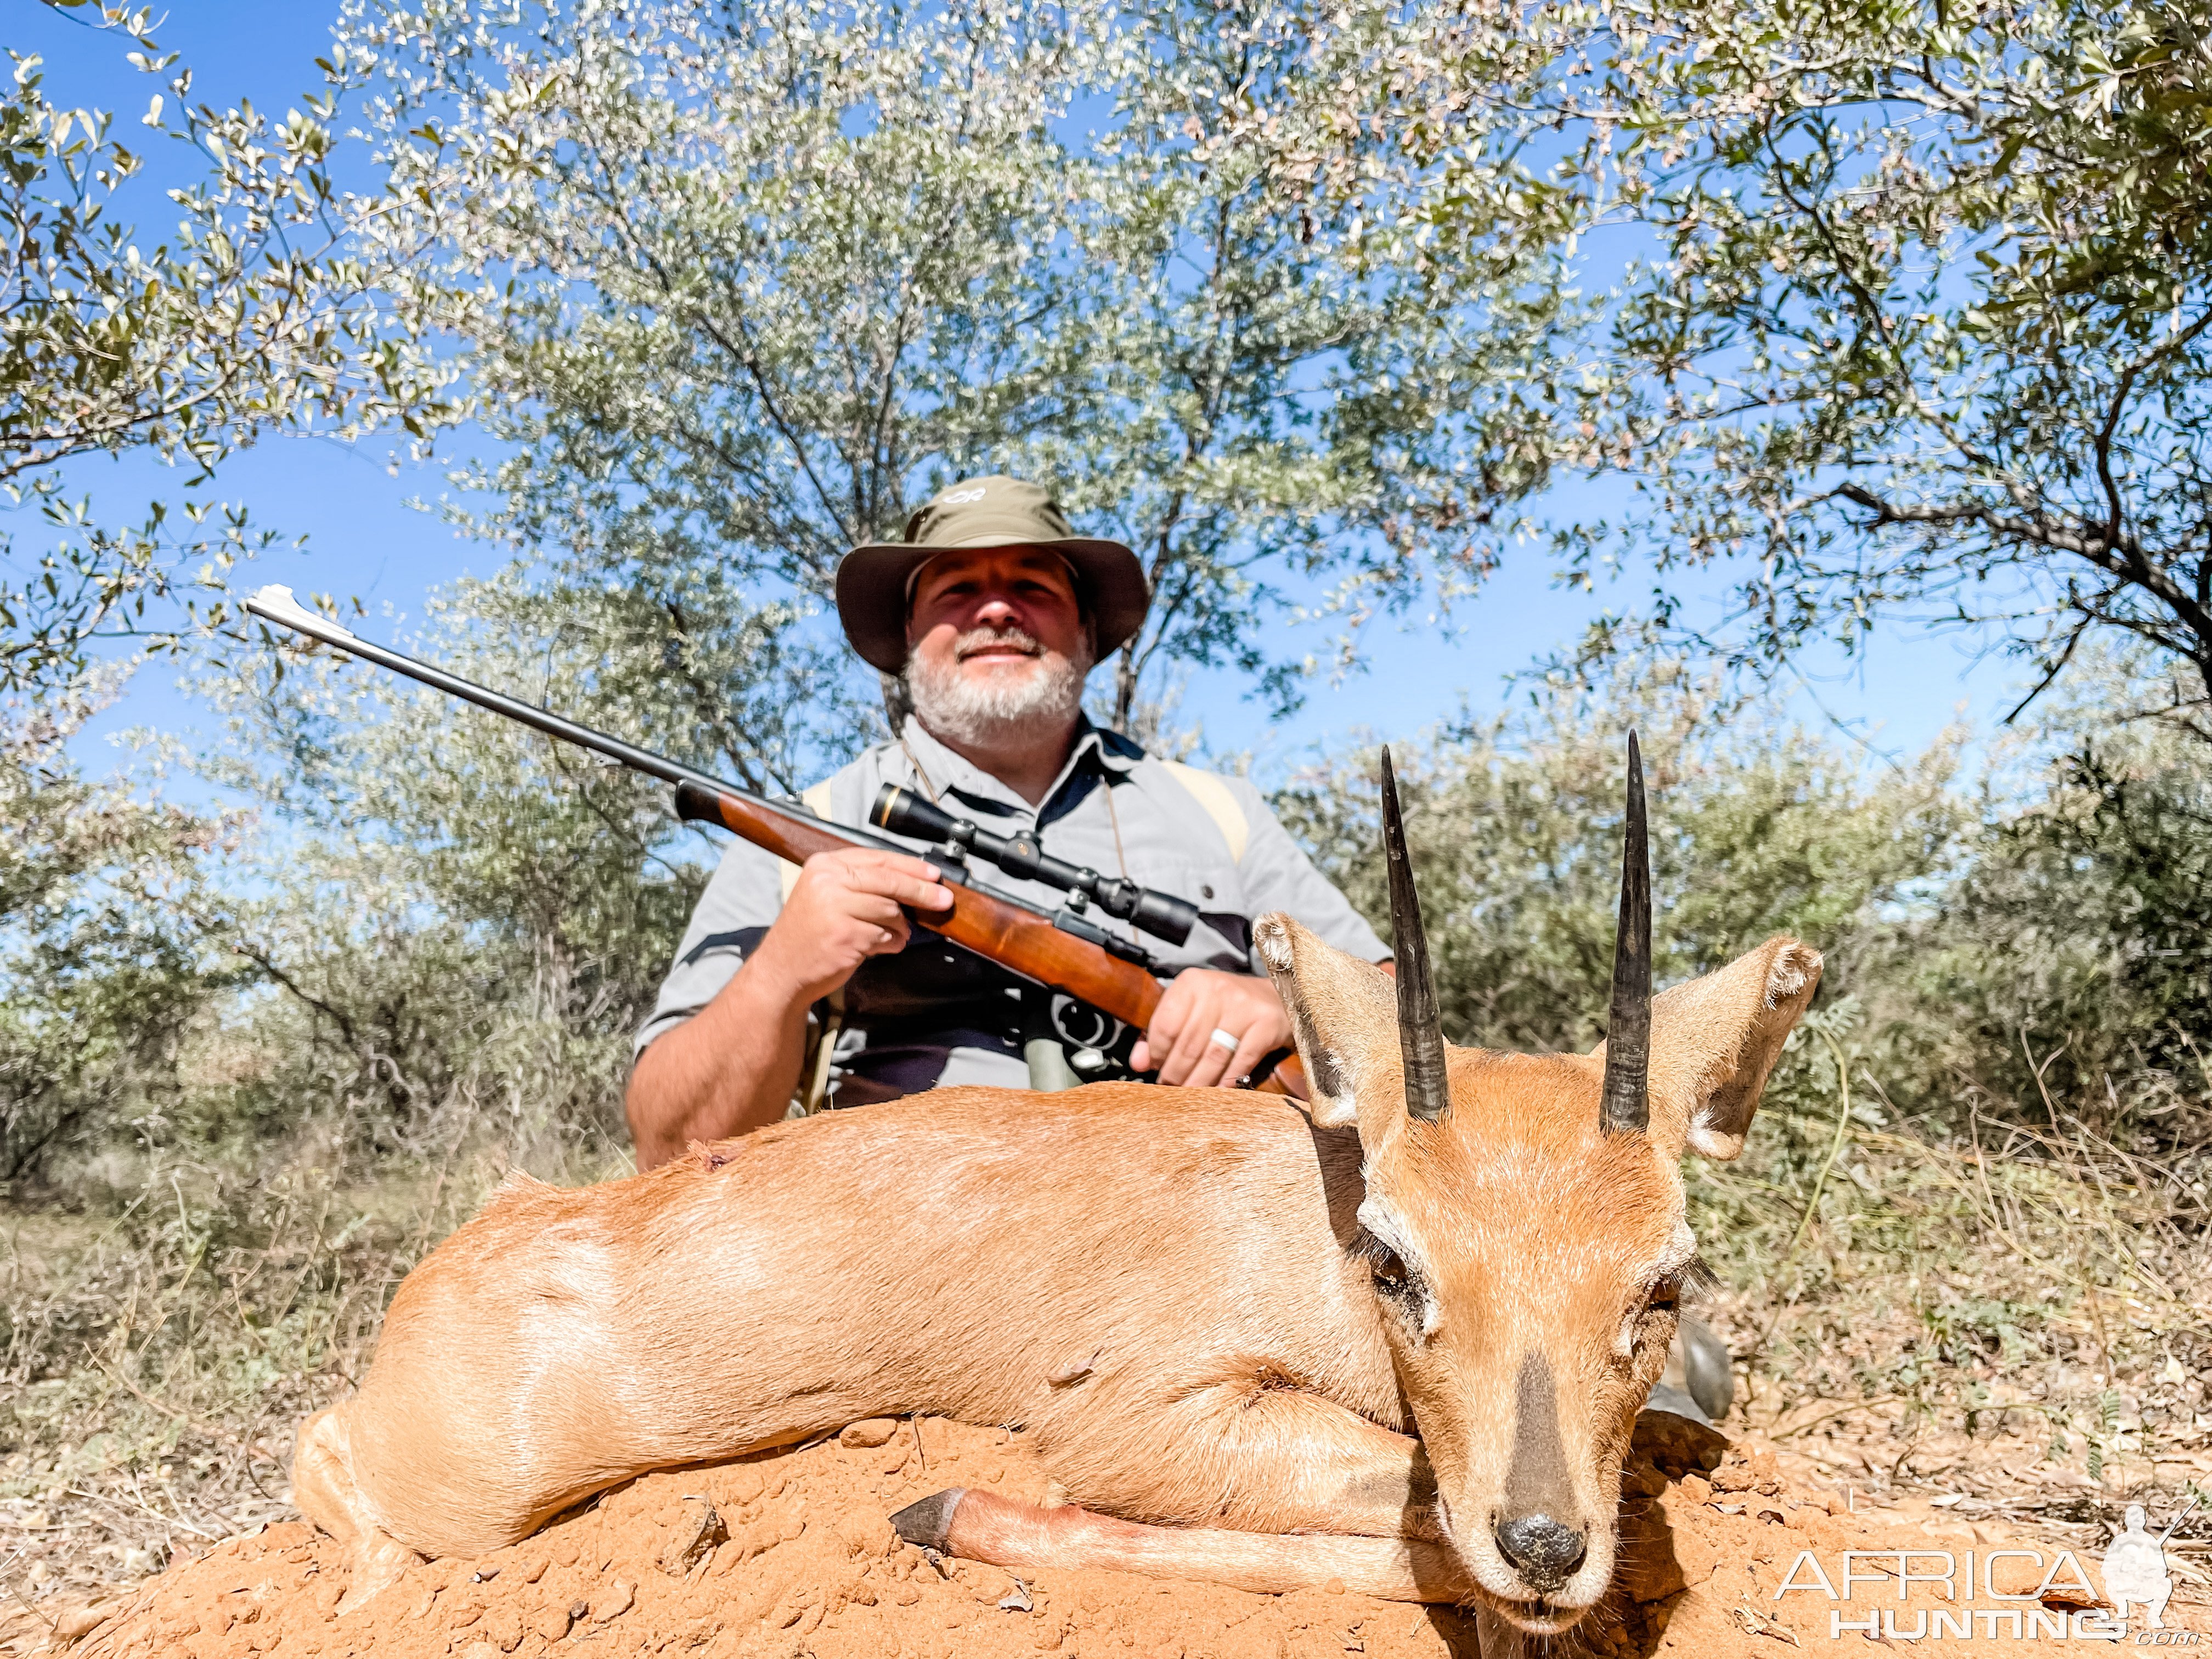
x=1397, y=1338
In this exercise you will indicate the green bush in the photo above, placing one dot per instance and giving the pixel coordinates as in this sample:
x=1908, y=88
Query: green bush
x=2071, y=957
x=1515, y=826
x=1975, y=940
x=101, y=976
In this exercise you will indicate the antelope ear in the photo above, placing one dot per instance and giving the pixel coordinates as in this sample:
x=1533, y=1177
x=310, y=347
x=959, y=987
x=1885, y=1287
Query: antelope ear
x=1344, y=1015
x=1714, y=1040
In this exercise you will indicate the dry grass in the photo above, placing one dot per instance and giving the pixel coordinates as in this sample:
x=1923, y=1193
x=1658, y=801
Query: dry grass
x=2013, y=1323
x=159, y=1349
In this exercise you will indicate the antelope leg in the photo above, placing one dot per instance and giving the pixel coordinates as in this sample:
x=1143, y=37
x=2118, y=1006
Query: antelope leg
x=981, y=1526
x=1251, y=1458
x=323, y=1486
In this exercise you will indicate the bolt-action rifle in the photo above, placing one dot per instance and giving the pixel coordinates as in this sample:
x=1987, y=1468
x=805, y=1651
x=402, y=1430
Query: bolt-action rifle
x=1059, y=951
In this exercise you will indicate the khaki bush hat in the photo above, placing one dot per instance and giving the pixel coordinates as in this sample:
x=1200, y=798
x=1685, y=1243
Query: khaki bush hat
x=873, y=581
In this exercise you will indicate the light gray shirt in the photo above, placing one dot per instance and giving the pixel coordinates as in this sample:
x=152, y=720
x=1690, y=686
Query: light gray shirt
x=934, y=1014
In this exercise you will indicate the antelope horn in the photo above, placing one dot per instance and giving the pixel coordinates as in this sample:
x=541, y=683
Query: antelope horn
x=1420, y=1031
x=1626, y=1106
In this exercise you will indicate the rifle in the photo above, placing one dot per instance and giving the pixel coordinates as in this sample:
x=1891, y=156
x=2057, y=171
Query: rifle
x=1059, y=951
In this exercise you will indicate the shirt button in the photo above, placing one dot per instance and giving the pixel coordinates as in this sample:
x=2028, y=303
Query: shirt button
x=1205, y=892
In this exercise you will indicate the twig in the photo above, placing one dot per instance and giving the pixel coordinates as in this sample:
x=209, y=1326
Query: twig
x=1820, y=1181
x=2089, y=1296
x=2178, y=1520
x=1835, y=1146
x=189, y=1419
x=9, y=1579
x=178, y=1522
x=2050, y=674
x=1867, y=1404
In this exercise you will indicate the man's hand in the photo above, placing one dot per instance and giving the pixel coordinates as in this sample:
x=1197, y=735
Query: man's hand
x=844, y=908
x=732, y=1066
x=1199, y=1002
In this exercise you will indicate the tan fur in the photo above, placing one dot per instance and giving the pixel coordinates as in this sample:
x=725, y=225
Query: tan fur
x=1153, y=1280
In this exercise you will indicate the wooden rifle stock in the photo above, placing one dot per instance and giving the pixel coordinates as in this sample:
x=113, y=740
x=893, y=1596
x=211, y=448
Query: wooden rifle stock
x=1020, y=939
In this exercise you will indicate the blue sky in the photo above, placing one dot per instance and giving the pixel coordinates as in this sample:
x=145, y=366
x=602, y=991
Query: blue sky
x=365, y=541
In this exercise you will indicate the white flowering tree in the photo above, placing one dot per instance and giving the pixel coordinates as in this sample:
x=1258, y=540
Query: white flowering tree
x=1917, y=318
x=243, y=320
x=735, y=286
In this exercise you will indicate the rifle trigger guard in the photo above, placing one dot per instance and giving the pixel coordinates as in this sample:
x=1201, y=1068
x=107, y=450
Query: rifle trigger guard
x=1098, y=1044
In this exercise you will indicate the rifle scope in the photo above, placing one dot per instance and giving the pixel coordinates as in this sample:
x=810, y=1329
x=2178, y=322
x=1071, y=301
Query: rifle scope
x=1161, y=915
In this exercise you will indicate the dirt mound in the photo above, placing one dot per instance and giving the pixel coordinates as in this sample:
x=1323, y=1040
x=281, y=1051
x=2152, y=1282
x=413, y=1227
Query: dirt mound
x=789, y=1554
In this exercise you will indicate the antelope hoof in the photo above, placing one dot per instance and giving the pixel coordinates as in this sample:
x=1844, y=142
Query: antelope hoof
x=929, y=1522
x=379, y=1562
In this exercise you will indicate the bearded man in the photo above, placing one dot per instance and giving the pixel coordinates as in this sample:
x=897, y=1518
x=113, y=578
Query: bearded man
x=994, y=611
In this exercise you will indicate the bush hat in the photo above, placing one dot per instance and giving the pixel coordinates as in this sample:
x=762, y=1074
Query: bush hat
x=875, y=581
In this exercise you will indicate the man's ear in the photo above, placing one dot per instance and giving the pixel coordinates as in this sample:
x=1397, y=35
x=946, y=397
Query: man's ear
x=1714, y=1040
x=1344, y=1016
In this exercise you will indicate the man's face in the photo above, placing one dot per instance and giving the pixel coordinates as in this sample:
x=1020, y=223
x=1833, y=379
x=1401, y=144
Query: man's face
x=997, y=647
x=991, y=616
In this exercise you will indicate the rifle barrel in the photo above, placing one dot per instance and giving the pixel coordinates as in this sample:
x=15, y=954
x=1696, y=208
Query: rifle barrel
x=275, y=604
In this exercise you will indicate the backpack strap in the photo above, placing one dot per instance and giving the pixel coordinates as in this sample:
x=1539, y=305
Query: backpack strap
x=1213, y=796
x=826, y=1017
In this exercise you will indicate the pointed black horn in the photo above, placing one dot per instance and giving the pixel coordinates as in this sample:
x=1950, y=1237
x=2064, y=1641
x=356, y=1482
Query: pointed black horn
x=1626, y=1105
x=1420, y=1031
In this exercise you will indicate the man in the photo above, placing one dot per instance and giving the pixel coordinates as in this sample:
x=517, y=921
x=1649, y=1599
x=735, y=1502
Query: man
x=2134, y=1571
x=994, y=611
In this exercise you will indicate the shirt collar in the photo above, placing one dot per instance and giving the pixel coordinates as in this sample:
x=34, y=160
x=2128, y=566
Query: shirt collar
x=947, y=768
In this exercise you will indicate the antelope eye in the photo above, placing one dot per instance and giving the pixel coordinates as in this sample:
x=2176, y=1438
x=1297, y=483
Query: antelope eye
x=1390, y=1272
x=1666, y=1299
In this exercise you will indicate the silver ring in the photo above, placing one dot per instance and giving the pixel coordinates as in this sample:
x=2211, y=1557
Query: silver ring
x=1222, y=1039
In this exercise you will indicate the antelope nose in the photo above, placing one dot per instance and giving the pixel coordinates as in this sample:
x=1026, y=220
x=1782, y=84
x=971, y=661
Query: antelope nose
x=1544, y=1551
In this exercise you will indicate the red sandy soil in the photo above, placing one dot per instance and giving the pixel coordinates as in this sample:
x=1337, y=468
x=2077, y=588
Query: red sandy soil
x=797, y=1559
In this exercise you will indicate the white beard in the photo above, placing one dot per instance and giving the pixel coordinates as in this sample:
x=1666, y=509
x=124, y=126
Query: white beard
x=1000, y=707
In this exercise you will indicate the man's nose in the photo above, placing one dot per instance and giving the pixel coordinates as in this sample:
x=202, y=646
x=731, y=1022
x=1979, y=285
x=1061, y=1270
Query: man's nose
x=1544, y=1551
x=995, y=611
